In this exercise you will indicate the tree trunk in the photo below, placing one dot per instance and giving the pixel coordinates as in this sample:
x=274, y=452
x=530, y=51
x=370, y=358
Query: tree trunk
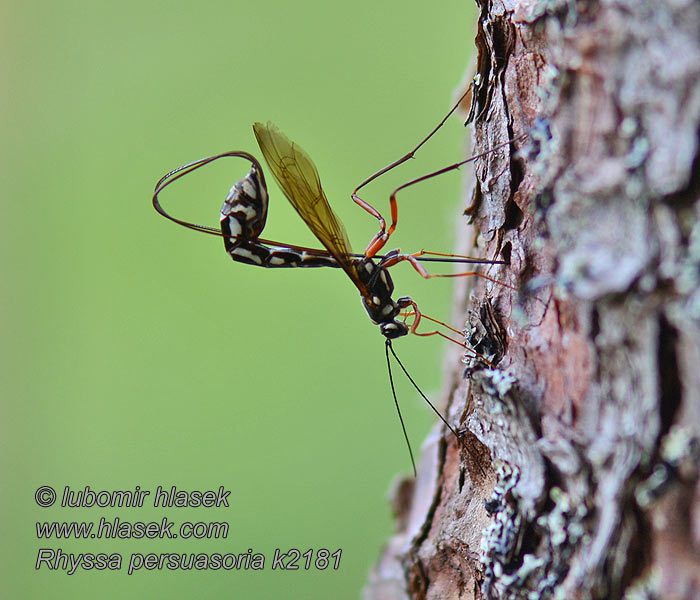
x=577, y=471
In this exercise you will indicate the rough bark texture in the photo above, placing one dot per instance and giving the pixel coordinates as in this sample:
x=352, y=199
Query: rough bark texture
x=577, y=475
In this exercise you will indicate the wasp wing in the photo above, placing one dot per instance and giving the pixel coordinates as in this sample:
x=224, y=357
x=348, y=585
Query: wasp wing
x=296, y=174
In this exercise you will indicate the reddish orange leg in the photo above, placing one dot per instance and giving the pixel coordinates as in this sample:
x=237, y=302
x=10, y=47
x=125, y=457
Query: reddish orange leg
x=418, y=316
x=381, y=238
x=412, y=258
x=411, y=154
x=445, y=325
x=465, y=256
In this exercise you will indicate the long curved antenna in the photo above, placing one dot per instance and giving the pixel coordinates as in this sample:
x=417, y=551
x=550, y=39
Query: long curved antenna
x=396, y=402
x=471, y=453
x=415, y=385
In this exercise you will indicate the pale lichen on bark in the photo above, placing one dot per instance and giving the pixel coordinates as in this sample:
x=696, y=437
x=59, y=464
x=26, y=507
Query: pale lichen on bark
x=577, y=476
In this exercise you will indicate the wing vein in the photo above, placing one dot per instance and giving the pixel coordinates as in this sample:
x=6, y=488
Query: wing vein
x=298, y=178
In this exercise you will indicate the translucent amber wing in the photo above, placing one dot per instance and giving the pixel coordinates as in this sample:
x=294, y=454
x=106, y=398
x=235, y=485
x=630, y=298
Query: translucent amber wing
x=298, y=178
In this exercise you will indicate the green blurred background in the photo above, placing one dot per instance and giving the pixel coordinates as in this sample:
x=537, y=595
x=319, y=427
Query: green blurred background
x=135, y=352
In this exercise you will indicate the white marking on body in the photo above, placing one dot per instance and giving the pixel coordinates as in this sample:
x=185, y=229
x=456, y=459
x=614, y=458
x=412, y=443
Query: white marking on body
x=369, y=266
x=226, y=208
x=249, y=212
x=249, y=188
x=277, y=260
x=234, y=227
x=375, y=300
x=387, y=309
x=245, y=253
x=382, y=276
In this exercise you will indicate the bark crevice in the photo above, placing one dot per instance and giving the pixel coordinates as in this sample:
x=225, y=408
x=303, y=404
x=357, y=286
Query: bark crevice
x=586, y=394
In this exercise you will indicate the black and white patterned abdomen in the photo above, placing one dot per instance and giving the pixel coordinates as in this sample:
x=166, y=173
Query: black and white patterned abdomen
x=252, y=253
x=243, y=217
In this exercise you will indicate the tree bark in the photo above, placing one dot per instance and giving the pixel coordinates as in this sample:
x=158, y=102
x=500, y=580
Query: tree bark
x=576, y=475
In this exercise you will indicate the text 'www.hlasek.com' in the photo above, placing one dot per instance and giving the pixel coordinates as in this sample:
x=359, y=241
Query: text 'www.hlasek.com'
x=172, y=498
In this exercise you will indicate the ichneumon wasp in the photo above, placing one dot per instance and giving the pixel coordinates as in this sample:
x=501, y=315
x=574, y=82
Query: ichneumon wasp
x=244, y=213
